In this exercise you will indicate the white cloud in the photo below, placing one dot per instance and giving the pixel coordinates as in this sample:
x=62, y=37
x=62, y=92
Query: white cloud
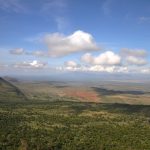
x=100, y=68
x=145, y=70
x=30, y=65
x=134, y=52
x=71, y=64
x=60, y=45
x=94, y=68
x=109, y=69
x=17, y=51
x=20, y=51
x=106, y=58
x=87, y=58
x=134, y=56
x=103, y=68
x=135, y=60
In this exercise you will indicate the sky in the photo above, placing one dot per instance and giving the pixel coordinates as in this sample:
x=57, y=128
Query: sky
x=101, y=36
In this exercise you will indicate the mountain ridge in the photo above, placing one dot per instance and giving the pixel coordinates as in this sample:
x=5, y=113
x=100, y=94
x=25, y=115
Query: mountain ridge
x=9, y=92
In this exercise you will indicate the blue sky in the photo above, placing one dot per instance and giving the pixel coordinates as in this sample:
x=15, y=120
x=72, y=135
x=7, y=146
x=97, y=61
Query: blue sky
x=73, y=35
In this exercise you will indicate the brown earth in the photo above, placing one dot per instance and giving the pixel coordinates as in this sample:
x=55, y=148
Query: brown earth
x=82, y=94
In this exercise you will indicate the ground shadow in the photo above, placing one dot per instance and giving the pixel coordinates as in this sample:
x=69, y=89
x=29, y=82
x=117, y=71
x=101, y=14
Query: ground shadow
x=128, y=108
x=112, y=107
x=104, y=92
x=61, y=86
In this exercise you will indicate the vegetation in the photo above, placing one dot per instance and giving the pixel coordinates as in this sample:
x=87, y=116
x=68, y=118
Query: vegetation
x=9, y=92
x=62, y=124
x=74, y=125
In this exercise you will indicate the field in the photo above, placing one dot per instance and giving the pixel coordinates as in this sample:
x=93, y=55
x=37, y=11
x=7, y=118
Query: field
x=74, y=116
x=103, y=92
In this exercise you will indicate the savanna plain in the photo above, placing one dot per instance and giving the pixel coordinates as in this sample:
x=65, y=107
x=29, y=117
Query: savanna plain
x=56, y=115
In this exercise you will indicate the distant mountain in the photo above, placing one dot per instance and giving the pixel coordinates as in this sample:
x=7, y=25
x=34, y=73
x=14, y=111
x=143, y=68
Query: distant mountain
x=9, y=92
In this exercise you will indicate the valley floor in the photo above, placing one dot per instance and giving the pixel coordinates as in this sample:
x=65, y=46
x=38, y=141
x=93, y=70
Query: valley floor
x=60, y=116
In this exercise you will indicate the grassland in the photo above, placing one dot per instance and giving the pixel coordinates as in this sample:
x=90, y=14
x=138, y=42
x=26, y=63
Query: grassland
x=50, y=119
x=103, y=92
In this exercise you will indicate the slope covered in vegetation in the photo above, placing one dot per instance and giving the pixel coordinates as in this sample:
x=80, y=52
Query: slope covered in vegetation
x=9, y=92
x=64, y=125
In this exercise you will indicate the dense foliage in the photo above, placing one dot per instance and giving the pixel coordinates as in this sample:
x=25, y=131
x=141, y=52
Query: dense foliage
x=56, y=125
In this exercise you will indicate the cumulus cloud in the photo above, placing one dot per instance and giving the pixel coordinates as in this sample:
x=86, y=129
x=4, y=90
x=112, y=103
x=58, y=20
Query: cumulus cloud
x=134, y=56
x=102, y=68
x=145, y=70
x=60, y=45
x=94, y=68
x=31, y=65
x=132, y=60
x=17, y=51
x=71, y=64
x=109, y=69
x=20, y=51
x=134, y=52
x=88, y=58
x=106, y=58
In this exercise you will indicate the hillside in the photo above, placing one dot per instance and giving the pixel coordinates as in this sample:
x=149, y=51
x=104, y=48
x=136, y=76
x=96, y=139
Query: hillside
x=9, y=92
x=64, y=125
